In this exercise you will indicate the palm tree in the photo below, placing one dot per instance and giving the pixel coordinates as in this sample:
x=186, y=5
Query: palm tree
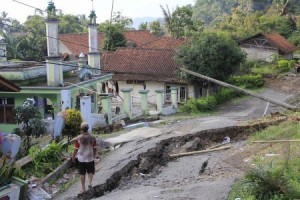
x=4, y=21
x=12, y=46
x=167, y=16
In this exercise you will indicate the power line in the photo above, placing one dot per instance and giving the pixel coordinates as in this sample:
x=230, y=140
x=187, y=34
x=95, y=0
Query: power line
x=28, y=5
x=81, y=24
x=59, y=39
x=42, y=10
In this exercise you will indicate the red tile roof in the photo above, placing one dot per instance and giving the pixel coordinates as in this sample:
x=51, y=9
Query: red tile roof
x=165, y=43
x=142, y=64
x=283, y=44
x=277, y=40
x=78, y=42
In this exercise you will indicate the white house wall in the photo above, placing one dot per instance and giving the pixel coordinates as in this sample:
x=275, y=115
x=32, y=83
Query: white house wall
x=150, y=85
x=260, y=54
x=191, y=92
x=63, y=49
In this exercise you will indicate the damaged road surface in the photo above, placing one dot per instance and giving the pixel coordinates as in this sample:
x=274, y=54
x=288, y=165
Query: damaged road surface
x=143, y=169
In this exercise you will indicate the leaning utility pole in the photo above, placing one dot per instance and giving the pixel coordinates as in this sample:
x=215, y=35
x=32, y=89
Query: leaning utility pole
x=285, y=105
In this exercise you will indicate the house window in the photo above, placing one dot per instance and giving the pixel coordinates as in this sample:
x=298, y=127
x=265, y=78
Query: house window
x=181, y=93
x=135, y=82
x=168, y=93
x=6, y=110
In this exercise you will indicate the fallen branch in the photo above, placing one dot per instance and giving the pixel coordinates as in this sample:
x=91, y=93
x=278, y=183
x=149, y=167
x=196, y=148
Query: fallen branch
x=218, y=145
x=198, y=152
x=274, y=141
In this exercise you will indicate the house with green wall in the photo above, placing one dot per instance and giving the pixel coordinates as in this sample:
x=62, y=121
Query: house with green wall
x=54, y=85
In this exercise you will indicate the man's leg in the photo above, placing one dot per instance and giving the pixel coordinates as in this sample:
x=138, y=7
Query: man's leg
x=91, y=172
x=90, y=177
x=82, y=171
x=82, y=178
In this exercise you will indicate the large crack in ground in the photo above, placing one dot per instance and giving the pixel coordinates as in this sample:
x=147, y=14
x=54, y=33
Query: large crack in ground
x=147, y=165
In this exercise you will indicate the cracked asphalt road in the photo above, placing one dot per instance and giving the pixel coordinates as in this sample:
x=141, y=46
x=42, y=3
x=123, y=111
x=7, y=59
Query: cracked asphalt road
x=179, y=179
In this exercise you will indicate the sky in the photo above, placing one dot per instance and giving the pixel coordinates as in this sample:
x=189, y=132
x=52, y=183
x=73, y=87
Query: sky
x=128, y=8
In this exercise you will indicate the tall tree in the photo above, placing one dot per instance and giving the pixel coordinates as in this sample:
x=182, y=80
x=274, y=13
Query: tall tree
x=113, y=39
x=9, y=25
x=167, y=16
x=72, y=24
x=179, y=23
x=212, y=11
x=114, y=31
x=210, y=54
x=240, y=24
x=13, y=46
x=4, y=22
x=34, y=45
x=156, y=28
x=143, y=26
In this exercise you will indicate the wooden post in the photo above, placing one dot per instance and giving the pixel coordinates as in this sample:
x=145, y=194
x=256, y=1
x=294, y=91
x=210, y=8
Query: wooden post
x=198, y=152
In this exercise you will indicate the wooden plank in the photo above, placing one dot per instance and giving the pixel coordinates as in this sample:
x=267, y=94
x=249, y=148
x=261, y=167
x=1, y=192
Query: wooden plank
x=24, y=161
x=66, y=164
x=274, y=141
x=218, y=145
x=198, y=152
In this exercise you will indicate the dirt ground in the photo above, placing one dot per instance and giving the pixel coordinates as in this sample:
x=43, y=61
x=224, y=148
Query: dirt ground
x=288, y=83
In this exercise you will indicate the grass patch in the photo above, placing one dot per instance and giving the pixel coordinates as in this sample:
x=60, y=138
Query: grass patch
x=272, y=177
x=284, y=131
x=265, y=70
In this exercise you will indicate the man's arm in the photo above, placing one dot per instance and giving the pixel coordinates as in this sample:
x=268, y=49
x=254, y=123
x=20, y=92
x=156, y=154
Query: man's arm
x=95, y=148
x=76, y=147
x=74, y=154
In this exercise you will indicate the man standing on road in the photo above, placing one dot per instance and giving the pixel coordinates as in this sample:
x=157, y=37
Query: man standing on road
x=85, y=149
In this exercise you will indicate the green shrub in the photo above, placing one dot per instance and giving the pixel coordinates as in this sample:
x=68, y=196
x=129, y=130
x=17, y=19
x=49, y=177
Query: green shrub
x=199, y=105
x=247, y=66
x=226, y=94
x=249, y=81
x=283, y=65
x=292, y=64
x=209, y=103
x=73, y=121
x=269, y=183
x=48, y=159
x=267, y=69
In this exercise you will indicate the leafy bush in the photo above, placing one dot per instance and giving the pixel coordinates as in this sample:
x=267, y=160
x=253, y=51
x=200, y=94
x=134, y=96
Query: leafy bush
x=73, y=121
x=249, y=81
x=247, y=66
x=30, y=117
x=226, y=94
x=209, y=103
x=283, y=65
x=266, y=69
x=269, y=183
x=292, y=64
x=199, y=105
x=264, y=184
x=48, y=159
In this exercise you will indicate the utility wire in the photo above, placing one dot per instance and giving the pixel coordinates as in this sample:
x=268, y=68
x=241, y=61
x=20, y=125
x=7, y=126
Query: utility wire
x=109, y=31
x=28, y=5
x=42, y=10
x=59, y=39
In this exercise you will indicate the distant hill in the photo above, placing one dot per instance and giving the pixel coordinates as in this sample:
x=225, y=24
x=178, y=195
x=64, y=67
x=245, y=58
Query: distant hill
x=138, y=21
